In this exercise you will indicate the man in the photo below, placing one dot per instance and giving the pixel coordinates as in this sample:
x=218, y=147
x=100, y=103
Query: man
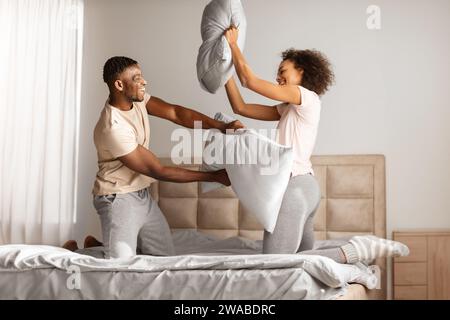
x=130, y=218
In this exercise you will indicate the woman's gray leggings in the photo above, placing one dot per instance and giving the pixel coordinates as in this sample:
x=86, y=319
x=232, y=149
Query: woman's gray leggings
x=294, y=230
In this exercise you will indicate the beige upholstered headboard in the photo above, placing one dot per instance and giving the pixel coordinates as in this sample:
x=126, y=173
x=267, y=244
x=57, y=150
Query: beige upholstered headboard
x=353, y=202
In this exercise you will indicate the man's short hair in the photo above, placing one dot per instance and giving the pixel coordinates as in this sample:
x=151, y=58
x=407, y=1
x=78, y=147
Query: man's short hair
x=115, y=66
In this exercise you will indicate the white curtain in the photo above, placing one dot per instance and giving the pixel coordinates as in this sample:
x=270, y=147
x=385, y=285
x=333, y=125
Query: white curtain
x=40, y=79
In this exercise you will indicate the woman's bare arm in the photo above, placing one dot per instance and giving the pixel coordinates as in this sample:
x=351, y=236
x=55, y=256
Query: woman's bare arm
x=254, y=111
x=283, y=93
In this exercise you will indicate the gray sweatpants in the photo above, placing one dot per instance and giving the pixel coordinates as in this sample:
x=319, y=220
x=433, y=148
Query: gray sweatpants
x=294, y=230
x=133, y=221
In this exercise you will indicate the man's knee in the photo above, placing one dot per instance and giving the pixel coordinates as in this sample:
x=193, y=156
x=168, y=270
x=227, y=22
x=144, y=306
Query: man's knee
x=120, y=249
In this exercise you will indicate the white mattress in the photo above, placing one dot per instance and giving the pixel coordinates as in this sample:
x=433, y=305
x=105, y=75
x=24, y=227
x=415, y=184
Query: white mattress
x=225, y=269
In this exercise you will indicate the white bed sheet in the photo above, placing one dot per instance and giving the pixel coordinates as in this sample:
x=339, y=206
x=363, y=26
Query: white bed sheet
x=205, y=268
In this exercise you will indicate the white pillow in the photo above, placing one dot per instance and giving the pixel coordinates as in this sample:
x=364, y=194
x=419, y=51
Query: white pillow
x=214, y=60
x=209, y=186
x=259, y=170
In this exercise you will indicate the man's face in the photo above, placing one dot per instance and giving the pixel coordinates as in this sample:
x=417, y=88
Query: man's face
x=132, y=83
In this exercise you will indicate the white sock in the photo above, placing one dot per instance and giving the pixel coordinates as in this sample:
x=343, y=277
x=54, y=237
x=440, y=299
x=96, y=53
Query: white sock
x=358, y=273
x=368, y=248
x=366, y=276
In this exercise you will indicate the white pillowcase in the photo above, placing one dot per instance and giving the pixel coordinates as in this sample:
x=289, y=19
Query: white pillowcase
x=259, y=170
x=209, y=186
x=214, y=60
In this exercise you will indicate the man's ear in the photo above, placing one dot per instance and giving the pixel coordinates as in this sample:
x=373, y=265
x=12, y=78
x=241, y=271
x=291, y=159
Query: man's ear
x=118, y=85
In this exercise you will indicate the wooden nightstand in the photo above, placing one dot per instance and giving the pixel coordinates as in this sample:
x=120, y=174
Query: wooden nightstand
x=425, y=273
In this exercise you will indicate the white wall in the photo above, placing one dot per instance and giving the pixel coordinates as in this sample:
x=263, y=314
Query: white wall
x=391, y=96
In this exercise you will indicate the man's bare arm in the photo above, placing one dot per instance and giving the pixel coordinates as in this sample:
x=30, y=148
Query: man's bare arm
x=185, y=116
x=145, y=162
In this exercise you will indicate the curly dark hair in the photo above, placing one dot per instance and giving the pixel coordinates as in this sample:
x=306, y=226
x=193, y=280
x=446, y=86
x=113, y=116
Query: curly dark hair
x=318, y=75
x=115, y=66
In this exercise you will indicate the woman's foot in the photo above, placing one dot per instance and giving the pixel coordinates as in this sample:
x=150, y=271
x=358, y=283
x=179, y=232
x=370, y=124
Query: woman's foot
x=70, y=245
x=366, y=276
x=368, y=248
x=90, y=242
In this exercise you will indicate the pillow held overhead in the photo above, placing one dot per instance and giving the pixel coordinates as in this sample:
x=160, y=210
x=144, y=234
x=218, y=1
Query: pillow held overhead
x=214, y=60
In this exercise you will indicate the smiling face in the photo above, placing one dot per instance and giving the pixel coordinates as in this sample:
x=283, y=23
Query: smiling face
x=131, y=83
x=288, y=74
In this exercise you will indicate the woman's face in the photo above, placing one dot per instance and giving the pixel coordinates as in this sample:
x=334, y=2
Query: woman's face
x=288, y=74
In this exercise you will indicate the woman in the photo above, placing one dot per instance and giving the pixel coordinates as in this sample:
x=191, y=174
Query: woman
x=303, y=76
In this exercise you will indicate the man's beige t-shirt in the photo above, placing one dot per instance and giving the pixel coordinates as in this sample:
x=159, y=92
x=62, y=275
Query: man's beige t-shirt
x=116, y=134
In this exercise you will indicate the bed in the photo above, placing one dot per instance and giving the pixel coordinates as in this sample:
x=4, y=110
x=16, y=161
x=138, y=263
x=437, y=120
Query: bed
x=217, y=245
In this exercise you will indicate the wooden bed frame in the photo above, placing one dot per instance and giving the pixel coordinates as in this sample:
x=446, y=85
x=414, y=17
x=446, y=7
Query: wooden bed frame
x=353, y=203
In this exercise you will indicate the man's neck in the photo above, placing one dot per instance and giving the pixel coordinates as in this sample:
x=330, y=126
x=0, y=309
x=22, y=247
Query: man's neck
x=120, y=103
